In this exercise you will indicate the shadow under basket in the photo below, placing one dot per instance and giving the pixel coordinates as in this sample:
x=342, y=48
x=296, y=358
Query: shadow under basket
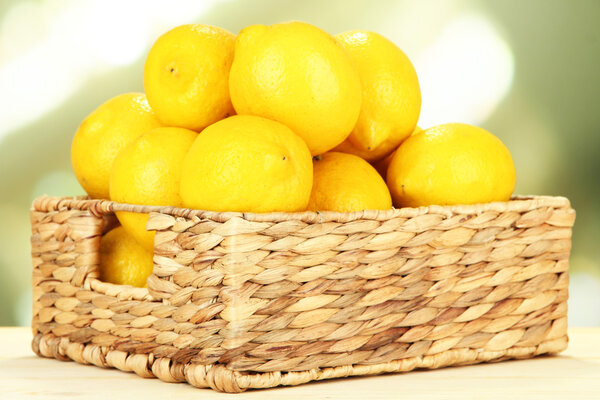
x=239, y=301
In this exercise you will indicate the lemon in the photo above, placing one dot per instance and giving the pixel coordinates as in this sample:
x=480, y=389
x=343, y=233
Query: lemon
x=299, y=75
x=186, y=76
x=451, y=164
x=345, y=182
x=391, y=97
x=103, y=134
x=148, y=172
x=122, y=260
x=247, y=163
x=382, y=165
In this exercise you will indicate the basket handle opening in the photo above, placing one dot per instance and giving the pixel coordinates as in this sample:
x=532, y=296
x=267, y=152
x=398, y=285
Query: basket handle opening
x=76, y=223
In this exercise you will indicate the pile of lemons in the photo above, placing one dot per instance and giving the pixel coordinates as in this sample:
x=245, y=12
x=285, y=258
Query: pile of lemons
x=278, y=118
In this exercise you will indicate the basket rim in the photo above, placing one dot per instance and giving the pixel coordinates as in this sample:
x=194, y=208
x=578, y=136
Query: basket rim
x=100, y=207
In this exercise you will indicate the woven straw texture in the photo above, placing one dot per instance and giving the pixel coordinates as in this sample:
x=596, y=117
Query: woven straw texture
x=240, y=301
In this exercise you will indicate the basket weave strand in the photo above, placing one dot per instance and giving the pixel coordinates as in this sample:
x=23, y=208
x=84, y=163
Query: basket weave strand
x=242, y=300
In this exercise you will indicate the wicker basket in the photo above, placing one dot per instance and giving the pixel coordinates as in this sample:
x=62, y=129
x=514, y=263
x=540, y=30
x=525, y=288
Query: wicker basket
x=240, y=301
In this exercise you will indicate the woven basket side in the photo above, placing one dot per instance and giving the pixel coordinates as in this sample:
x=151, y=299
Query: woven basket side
x=70, y=302
x=294, y=296
x=65, y=253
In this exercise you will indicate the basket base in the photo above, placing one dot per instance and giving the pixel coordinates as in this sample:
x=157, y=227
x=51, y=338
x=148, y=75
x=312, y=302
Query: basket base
x=222, y=379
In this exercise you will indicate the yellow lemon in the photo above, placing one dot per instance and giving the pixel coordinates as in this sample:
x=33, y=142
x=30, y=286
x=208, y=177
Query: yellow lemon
x=451, y=164
x=148, y=172
x=247, y=163
x=299, y=75
x=391, y=97
x=382, y=165
x=345, y=182
x=103, y=134
x=122, y=260
x=186, y=76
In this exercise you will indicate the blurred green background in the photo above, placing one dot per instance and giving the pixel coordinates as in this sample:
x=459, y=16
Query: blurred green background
x=525, y=70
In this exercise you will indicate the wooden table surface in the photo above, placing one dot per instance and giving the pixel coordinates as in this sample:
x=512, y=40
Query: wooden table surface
x=575, y=374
